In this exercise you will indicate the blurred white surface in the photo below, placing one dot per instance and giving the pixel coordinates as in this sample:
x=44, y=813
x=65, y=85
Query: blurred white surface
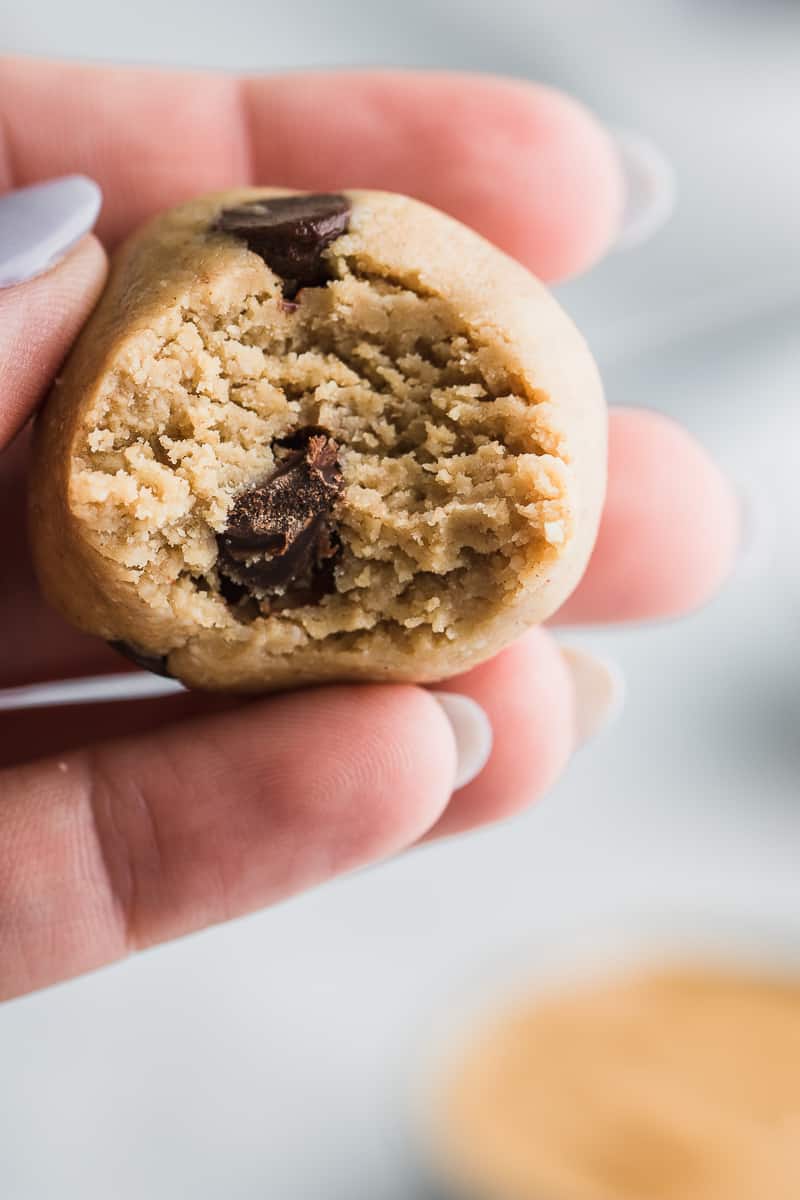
x=257, y=1060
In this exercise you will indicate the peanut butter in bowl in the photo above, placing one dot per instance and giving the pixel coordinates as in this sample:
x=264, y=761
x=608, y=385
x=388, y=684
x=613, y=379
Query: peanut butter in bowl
x=669, y=1083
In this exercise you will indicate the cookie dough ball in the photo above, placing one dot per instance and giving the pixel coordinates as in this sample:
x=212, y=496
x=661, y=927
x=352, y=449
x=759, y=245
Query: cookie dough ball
x=317, y=437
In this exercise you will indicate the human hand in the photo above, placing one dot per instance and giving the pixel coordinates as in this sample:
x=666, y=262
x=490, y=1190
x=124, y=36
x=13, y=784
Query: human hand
x=132, y=823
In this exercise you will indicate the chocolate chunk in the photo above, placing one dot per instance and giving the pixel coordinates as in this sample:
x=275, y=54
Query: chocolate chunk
x=290, y=233
x=280, y=533
x=298, y=439
x=232, y=593
x=157, y=663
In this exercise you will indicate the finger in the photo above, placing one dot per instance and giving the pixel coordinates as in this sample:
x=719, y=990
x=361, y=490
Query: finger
x=29, y=734
x=525, y=165
x=136, y=841
x=529, y=695
x=670, y=528
x=38, y=322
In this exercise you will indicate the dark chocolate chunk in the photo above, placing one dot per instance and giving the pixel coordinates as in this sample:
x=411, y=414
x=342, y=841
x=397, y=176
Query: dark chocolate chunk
x=280, y=539
x=290, y=233
x=157, y=663
x=232, y=593
x=298, y=439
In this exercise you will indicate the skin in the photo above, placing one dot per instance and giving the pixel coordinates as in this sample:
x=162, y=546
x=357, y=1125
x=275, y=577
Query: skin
x=125, y=825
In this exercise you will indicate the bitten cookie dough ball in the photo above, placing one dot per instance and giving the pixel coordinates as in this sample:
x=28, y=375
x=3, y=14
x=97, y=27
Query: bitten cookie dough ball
x=317, y=437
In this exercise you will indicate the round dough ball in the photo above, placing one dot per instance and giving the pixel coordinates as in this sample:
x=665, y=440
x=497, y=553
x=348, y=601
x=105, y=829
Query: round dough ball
x=317, y=438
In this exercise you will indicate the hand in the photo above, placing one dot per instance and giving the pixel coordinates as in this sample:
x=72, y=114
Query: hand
x=134, y=823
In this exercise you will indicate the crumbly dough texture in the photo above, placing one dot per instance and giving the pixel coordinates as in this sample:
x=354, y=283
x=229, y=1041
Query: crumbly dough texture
x=468, y=412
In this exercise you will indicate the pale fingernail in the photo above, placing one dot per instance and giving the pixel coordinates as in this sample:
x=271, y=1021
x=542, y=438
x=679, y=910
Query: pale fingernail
x=473, y=734
x=599, y=692
x=40, y=224
x=758, y=531
x=649, y=188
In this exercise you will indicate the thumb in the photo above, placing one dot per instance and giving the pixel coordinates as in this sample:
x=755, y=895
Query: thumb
x=50, y=276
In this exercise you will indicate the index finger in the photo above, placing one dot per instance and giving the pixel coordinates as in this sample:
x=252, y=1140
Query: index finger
x=525, y=165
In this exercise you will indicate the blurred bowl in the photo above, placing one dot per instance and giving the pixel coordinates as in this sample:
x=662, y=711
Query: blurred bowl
x=559, y=962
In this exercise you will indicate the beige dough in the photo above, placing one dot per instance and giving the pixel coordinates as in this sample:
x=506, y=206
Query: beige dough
x=470, y=424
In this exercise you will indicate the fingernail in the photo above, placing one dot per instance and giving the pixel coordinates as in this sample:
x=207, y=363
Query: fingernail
x=599, y=691
x=472, y=731
x=649, y=188
x=758, y=529
x=40, y=224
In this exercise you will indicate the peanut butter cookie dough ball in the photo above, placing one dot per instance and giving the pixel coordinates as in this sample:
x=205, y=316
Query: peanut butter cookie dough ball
x=317, y=437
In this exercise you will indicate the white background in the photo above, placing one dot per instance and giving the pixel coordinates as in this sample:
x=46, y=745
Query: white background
x=263, y=1060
